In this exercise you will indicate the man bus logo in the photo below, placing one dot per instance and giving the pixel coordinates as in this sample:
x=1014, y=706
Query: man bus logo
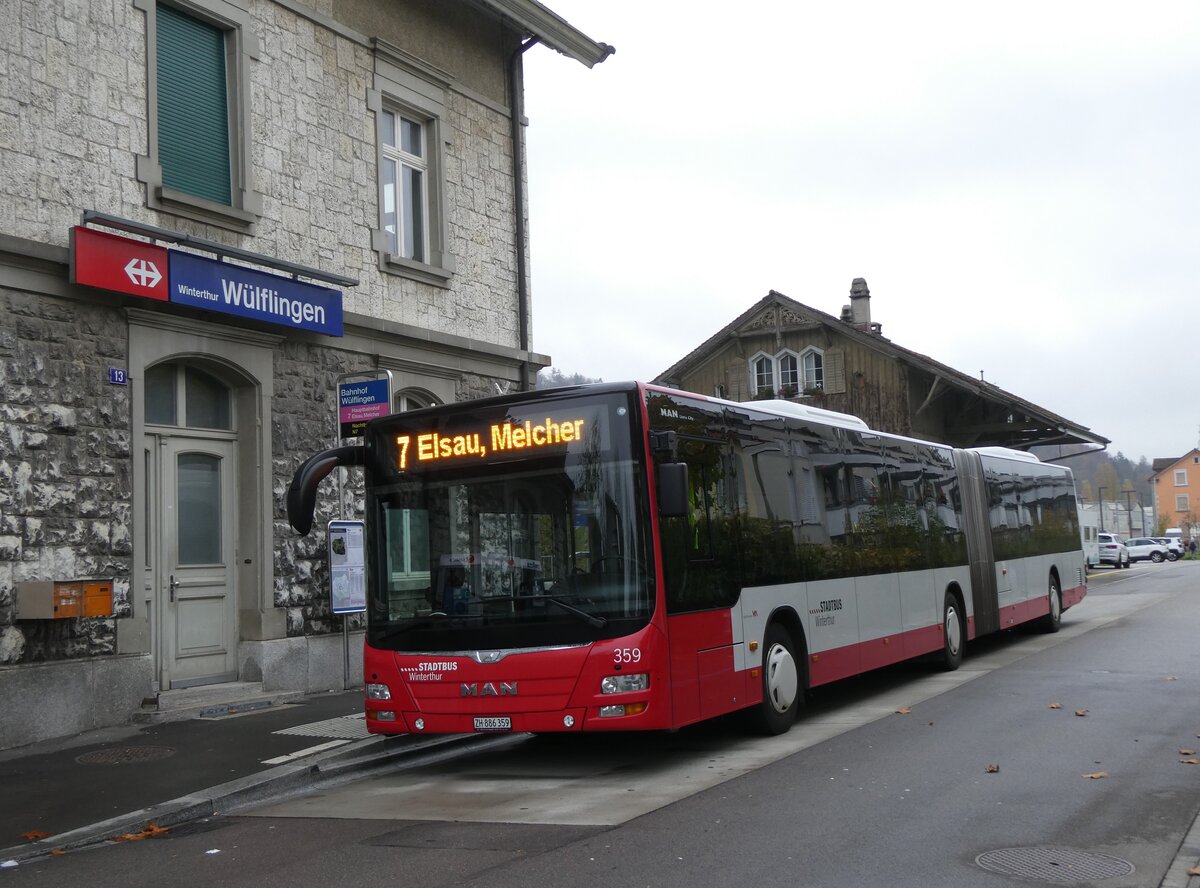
x=488, y=689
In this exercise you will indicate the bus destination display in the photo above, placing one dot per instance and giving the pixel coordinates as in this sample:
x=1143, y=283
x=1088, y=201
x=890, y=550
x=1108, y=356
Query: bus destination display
x=414, y=451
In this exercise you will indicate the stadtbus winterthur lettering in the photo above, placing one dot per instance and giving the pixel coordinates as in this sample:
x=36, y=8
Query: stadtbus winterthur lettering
x=500, y=437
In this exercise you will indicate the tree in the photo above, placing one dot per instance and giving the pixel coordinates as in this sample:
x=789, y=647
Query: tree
x=552, y=377
x=1108, y=485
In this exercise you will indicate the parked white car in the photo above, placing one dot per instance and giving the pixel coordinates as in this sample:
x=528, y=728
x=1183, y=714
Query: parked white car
x=1112, y=550
x=1174, y=547
x=1145, y=548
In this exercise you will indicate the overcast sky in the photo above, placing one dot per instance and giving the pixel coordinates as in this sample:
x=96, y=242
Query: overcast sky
x=1017, y=183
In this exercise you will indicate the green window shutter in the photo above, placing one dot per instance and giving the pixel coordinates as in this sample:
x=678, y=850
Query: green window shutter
x=193, y=106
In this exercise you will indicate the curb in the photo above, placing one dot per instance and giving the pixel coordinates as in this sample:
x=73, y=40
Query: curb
x=280, y=782
x=1186, y=858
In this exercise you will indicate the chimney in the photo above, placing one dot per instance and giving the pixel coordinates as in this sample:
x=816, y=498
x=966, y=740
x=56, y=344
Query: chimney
x=860, y=303
x=858, y=313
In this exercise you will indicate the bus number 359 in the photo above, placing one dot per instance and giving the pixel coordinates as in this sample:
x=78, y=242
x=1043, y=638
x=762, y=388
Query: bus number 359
x=627, y=655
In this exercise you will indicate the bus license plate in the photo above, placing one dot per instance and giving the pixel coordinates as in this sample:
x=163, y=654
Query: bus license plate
x=493, y=724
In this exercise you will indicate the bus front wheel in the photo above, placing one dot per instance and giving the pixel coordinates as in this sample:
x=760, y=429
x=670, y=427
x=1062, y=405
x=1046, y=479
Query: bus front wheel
x=780, y=681
x=954, y=633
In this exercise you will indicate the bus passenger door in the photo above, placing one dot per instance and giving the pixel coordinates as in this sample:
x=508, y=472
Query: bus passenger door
x=702, y=565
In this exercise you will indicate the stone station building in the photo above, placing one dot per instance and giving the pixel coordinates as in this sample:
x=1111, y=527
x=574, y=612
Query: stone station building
x=368, y=157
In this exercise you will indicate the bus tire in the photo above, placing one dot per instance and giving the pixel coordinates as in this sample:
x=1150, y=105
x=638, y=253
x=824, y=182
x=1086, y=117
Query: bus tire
x=1053, y=620
x=781, y=686
x=954, y=633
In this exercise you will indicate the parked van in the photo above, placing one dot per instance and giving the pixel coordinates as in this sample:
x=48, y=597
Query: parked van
x=1087, y=535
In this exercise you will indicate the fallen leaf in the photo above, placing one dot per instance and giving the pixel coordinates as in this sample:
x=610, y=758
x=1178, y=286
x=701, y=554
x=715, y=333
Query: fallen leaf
x=1172, y=678
x=34, y=835
x=1190, y=761
x=992, y=769
x=57, y=851
x=903, y=710
x=1194, y=871
x=149, y=831
x=1054, y=706
x=1187, y=752
x=1099, y=775
x=1081, y=712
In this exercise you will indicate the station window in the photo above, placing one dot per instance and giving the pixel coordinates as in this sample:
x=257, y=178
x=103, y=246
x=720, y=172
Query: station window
x=409, y=102
x=198, y=165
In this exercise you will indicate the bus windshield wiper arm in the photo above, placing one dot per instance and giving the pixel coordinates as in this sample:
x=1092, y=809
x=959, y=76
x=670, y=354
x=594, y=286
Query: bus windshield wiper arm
x=590, y=619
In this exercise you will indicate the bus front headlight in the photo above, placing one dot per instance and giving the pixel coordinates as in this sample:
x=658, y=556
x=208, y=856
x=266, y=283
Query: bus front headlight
x=620, y=684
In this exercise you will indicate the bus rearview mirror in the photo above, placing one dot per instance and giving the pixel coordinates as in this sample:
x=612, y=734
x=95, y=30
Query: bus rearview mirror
x=673, y=490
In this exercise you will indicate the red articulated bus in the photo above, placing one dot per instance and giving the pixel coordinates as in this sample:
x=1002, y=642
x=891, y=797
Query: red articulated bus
x=627, y=557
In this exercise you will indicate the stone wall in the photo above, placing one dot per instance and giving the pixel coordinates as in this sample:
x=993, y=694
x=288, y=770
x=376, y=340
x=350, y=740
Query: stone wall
x=302, y=424
x=65, y=476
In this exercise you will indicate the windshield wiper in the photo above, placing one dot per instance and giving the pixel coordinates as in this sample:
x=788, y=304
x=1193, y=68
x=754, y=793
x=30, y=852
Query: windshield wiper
x=591, y=619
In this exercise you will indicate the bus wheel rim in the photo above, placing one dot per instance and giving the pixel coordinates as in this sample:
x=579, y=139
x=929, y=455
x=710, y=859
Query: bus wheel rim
x=953, y=630
x=783, y=680
x=1055, y=604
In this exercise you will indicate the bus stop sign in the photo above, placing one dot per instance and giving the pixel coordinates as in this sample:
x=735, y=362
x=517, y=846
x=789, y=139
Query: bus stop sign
x=359, y=403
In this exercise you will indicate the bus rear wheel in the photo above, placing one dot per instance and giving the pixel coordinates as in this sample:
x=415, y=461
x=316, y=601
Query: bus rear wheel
x=780, y=683
x=954, y=633
x=1053, y=619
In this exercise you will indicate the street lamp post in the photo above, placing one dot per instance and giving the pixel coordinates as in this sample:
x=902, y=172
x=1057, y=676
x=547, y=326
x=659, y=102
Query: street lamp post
x=1102, y=489
x=1129, y=511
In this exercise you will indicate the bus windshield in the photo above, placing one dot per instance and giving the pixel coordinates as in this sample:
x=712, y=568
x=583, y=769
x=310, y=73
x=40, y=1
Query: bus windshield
x=487, y=544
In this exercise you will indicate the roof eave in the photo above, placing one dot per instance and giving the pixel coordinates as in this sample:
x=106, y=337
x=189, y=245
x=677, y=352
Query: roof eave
x=551, y=29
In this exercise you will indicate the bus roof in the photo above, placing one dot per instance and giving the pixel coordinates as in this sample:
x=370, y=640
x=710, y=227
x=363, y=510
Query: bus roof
x=1005, y=453
x=803, y=411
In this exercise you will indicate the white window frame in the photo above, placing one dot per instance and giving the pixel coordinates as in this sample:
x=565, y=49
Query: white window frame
x=408, y=88
x=241, y=47
x=775, y=363
x=405, y=227
x=756, y=386
x=1181, y=502
x=1181, y=478
x=812, y=376
x=781, y=373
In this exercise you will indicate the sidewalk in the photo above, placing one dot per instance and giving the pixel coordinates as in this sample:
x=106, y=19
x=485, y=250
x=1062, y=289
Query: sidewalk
x=97, y=785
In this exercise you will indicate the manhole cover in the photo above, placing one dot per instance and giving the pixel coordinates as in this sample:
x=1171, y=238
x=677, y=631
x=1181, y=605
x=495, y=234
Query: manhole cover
x=125, y=755
x=1054, y=864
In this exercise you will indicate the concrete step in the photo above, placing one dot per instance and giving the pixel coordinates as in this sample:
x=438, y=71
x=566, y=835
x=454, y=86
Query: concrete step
x=212, y=701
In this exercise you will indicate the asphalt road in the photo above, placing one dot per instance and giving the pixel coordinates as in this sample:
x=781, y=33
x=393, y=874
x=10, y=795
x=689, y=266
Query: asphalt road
x=991, y=760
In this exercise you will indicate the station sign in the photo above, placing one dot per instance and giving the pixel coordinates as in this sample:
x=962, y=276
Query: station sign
x=110, y=262
x=124, y=265
x=360, y=402
x=235, y=290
